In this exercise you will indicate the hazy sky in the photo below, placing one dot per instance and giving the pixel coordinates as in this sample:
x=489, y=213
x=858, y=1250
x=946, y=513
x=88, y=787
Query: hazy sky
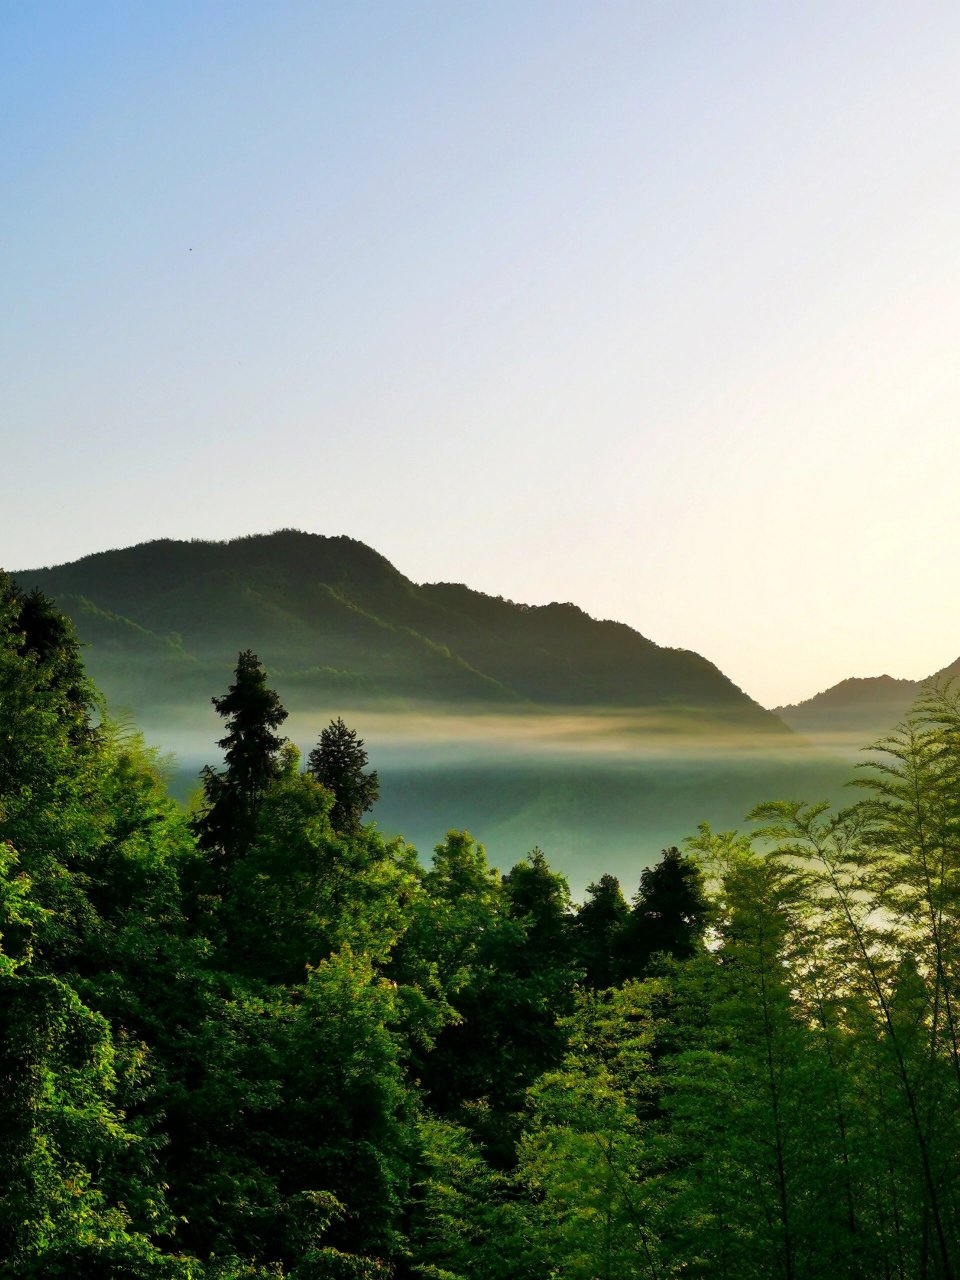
x=653, y=307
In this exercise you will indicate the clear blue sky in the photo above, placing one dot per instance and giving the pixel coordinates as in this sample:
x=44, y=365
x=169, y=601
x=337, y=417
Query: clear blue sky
x=653, y=307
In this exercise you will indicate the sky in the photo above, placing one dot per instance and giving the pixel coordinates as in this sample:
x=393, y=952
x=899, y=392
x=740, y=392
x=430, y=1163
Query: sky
x=651, y=307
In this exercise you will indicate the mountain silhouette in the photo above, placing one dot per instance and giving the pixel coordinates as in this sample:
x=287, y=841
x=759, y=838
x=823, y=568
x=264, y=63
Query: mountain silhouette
x=862, y=707
x=333, y=619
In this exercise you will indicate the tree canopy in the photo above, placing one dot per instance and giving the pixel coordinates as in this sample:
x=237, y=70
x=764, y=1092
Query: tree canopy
x=266, y=1043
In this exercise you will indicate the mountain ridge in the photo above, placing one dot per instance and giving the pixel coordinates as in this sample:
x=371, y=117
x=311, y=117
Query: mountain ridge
x=312, y=603
x=860, y=704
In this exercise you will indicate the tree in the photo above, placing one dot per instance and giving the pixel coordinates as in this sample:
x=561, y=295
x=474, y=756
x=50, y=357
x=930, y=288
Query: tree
x=541, y=899
x=495, y=950
x=48, y=758
x=252, y=753
x=583, y=1156
x=467, y=1221
x=89, y=853
x=301, y=891
x=337, y=762
x=48, y=639
x=598, y=928
x=77, y=1192
x=670, y=912
x=870, y=867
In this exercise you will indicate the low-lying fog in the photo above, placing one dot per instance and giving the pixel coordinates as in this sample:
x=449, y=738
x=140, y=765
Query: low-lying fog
x=596, y=791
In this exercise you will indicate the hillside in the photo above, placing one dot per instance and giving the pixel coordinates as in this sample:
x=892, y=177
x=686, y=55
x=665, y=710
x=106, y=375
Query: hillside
x=333, y=620
x=861, y=708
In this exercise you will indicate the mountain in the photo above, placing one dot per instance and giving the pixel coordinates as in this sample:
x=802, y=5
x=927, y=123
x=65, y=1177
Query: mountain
x=334, y=621
x=530, y=725
x=861, y=708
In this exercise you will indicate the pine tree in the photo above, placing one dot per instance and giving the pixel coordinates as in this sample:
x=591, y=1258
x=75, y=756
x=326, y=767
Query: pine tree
x=252, y=753
x=337, y=762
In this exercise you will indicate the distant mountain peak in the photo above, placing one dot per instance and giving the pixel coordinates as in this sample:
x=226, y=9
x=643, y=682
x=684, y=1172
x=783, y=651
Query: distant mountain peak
x=860, y=705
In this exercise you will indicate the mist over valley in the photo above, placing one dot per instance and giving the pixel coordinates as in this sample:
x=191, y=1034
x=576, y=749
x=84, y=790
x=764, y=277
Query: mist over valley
x=529, y=726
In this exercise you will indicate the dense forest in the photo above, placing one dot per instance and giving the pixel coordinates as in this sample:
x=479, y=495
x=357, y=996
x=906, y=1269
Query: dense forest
x=251, y=1038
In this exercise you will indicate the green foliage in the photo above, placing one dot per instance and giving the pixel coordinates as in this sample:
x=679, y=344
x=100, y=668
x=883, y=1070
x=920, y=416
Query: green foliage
x=338, y=762
x=467, y=1220
x=252, y=754
x=584, y=1154
x=496, y=952
x=302, y=890
x=540, y=899
x=269, y=1045
x=599, y=929
x=670, y=913
x=19, y=913
x=66, y=1146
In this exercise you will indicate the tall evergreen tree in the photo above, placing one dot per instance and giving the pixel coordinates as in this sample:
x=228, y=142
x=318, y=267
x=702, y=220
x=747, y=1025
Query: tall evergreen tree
x=338, y=762
x=252, y=754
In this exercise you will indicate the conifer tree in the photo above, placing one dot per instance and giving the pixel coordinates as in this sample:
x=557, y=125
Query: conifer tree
x=48, y=639
x=252, y=753
x=338, y=762
x=598, y=929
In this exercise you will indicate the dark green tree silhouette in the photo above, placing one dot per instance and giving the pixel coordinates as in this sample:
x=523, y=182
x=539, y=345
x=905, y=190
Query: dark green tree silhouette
x=669, y=915
x=598, y=931
x=338, y=762
x=252, y=754
x=538, y=896
x=49, y=639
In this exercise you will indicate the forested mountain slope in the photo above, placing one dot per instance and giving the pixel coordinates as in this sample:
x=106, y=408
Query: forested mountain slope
x=331, y=617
